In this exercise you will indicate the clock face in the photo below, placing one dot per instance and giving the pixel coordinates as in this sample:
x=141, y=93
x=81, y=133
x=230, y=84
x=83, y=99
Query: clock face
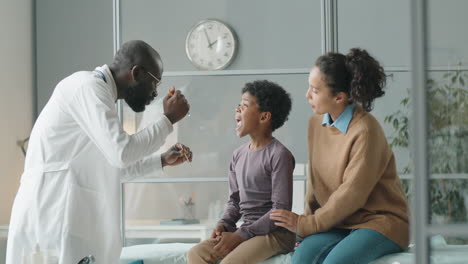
x=211, y=45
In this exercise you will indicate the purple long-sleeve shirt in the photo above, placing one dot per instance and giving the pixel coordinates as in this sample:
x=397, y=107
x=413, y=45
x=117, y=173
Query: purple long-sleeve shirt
x=259, y=181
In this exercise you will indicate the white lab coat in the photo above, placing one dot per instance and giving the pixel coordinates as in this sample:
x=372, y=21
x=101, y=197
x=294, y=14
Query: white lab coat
x=78, y=154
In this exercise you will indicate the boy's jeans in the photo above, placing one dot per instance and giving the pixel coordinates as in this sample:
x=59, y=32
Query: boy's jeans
x=251, y=251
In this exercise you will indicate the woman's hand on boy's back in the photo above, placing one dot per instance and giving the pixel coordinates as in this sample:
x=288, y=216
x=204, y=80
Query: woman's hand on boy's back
x=285, y=218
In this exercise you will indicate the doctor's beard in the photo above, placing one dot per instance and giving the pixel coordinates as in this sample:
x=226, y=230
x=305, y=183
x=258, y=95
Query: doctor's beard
x=136, y=98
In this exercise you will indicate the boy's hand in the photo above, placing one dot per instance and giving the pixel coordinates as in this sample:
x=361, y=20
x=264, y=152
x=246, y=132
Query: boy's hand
x=228, y=242
x=217, y=232
x=176, y=155
x=285, y=218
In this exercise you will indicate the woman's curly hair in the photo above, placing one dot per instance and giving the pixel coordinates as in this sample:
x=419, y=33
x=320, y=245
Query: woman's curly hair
x=357, y=74
x=272, y=98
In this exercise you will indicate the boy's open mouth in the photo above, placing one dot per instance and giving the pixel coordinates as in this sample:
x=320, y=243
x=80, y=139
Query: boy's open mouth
x=239, y=124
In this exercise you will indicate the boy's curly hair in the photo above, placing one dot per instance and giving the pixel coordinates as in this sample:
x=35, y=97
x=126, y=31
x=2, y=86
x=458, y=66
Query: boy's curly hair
x=272, y=98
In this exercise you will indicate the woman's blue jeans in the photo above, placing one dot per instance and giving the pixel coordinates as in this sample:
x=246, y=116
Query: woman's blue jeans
x=339, y=246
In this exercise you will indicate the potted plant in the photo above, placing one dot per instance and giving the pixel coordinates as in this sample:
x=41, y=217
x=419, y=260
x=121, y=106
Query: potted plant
x=447, y=144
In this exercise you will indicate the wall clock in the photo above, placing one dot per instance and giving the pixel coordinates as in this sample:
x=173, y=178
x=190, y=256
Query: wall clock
x=211, y=45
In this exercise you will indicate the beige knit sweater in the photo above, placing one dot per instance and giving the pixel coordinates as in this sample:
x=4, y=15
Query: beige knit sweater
x=353, y=181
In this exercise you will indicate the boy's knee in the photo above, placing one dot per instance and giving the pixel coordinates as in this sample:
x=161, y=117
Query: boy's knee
x=201, y=253
x=194, y=254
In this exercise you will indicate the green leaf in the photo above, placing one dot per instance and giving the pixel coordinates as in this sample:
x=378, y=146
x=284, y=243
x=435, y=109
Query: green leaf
x=388, y=119
x=395, y=123
x=462, y=82
x=454, y=78
x=429, y=82
x=405, y=101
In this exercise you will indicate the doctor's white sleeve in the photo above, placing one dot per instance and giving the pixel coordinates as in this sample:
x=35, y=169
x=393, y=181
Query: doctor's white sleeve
x=92, y=106
x=148, y=167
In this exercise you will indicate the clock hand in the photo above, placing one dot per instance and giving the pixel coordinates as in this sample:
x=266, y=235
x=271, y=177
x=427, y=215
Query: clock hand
x=211, y=45
x=207, y=38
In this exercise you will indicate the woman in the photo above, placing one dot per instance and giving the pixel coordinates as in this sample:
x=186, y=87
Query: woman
x=356, y=210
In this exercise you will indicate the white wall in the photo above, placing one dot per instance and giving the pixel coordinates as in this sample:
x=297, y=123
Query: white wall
x=70, y=36
x=16, y=100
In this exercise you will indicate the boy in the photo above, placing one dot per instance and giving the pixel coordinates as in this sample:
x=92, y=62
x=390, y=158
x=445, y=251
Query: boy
x=260, y=179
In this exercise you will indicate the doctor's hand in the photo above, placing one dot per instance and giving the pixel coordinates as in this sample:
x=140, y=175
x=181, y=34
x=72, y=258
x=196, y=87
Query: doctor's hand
x=228, y=242
x=175, y=105
x=176, y=155
x=285, y=218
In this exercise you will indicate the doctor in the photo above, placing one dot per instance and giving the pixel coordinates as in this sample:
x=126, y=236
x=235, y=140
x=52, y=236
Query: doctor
x=78, y=155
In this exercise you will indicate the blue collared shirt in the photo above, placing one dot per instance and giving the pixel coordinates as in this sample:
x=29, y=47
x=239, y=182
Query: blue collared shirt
x=343, y=120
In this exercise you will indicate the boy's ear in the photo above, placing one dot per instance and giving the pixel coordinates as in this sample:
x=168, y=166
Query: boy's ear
x=265, y=116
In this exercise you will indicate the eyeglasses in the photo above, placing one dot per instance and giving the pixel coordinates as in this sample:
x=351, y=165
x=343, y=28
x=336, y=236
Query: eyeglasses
x=158, y=82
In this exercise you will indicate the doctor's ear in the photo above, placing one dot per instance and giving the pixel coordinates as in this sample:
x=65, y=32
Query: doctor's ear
x=135, y=72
